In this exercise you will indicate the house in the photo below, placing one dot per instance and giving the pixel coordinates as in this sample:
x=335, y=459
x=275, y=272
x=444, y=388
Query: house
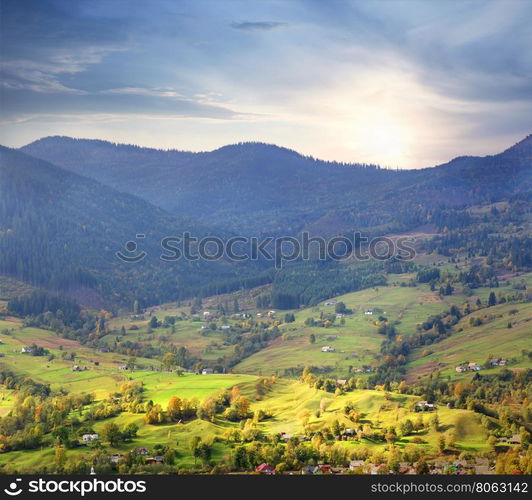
x=498, y=362
x=264, y=468
x=325, y=468
x=271, y=314
x=460, y=369
x=207, y=315
x=515, y=439
x=88, y=438
x=424, y=406
x=473, y=367
x=331, y=303
x=373, y=469
x=207, y=371
x=327, y=348
x=26, y=349
x=105, y=349
x=116, y=457
x=341, y=382
x=406, y=469
x=368, y=312
x=225, y=327
x=122, y=367
x=76, y=368
x=204, y=327
x=356, y=464
x=141, y=451
x=285, y=436
x=339, y=316
x=310, y=470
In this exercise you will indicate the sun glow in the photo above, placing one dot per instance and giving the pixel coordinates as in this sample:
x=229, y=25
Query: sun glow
x=380, y=140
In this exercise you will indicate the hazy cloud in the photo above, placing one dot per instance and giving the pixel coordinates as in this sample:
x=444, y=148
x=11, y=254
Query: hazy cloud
x=398, y=82
x=257, y=25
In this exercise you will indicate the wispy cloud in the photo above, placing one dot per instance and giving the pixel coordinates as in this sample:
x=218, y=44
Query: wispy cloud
x=400, y=82
x=257, y=25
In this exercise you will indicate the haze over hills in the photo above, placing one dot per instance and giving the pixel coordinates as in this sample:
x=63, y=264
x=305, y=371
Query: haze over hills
x=256, y=187
x=61, y=231
x=49, y=202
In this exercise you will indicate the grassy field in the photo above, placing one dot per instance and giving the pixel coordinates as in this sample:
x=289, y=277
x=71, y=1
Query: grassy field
x=357, y=342
x=98, y=379
x=290, y=404
x=477, y=343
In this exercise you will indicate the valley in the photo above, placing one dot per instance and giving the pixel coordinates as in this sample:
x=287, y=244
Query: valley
x=395, y=365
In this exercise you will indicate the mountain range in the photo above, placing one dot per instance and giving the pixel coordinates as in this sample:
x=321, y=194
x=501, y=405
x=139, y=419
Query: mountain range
x=258, y=188
x=68, y=205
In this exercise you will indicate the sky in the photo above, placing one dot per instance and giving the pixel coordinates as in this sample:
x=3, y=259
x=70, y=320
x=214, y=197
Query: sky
x=404, y=84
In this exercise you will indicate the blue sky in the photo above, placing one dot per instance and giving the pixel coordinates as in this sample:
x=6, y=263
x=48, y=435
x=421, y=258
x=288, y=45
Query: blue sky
x=400, y=83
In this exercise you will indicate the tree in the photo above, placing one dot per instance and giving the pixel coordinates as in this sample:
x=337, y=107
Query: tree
x=421, y=466
x=441, y=443
x=289, y=318
x=169, y=457
x=407, y=427
x=168, y=360
x=174, y=409
x=131, y=363
x=242, y=407
x=435, y=422
x=492, y=299
x=194, y=447
x=59, y=457
x=312, y=338
x=204, y=452
x=130, y=432
x=450, y=441
x=154, y=322
x=111, y=433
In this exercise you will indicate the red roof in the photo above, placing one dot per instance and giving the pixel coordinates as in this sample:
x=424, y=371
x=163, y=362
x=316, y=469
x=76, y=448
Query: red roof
x=264, y=468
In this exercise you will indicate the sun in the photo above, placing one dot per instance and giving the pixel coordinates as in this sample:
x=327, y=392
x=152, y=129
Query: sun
x=386, y=142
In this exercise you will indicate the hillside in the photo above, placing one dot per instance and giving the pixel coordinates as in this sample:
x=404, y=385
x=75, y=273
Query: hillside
x=287, y=408
x=277, y=188
x=61, y=231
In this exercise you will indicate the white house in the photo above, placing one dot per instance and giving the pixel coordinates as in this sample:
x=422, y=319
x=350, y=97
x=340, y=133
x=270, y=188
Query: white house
x=87, y=438
x=368, y=312
x=327, y=348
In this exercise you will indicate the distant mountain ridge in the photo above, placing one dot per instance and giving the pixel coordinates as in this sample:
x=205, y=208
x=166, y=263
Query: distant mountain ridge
x=262, y=188
x=61, y=231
